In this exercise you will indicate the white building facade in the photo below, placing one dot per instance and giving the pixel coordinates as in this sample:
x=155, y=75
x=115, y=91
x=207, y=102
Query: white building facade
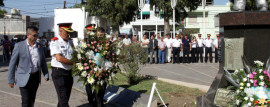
x=211, y=19
x=72, y=15
x=194, y=21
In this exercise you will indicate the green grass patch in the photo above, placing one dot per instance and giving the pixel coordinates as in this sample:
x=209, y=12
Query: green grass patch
x=165, y=89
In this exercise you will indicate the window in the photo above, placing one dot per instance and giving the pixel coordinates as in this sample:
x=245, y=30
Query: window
x=145, y=15
x=192, y=20
x=209, y=2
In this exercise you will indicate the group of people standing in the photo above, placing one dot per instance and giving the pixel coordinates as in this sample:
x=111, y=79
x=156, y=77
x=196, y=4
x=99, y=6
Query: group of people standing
x=28, y=61
x=7, y=47
x=167, y=49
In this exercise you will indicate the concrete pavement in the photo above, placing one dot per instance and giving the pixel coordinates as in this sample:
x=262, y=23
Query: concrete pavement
x=194, y=75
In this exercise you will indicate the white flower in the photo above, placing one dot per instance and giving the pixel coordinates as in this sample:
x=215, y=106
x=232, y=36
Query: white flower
x=80, y=50
x=251, y=81
x=261, y=84
x=260, y=70
x=84, y=74
x=241, y=69
x=248, y=84
x=79, y=56
x=101, y=82
x=78, y=64
x=246, y=98
x=90, y=80
x=241, y=88
x=95, y=69
x=258, y=62
x=80, y=67
x=237, y=91
x=251, y=99
x=236, y=71
x=244, y=79
x=83, y=45
x=261, y=77
x=100, y=48
x=118, y=52
x=90, y=54
x=242, y=84
x=108, y=65
x=237, y=102
x=249, y=104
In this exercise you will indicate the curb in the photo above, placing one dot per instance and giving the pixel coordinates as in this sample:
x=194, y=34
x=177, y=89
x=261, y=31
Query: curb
x=203, y=88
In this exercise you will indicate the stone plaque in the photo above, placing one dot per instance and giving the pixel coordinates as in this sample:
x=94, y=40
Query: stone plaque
x=234, y=49
x=222, y=98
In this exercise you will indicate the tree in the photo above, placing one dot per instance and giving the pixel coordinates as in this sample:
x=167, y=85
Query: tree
x=251, y=4
x=181, y=10
x=2, y=3
x=2, y=12
x=117, y=12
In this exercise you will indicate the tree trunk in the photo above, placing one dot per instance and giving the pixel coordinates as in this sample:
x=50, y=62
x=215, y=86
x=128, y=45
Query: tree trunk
x=115, y=29
x=166, y=26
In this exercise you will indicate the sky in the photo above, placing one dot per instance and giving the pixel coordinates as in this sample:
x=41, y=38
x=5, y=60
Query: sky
x=45, y=8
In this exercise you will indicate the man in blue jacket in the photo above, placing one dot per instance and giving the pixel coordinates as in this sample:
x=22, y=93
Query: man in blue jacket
x=27, y=62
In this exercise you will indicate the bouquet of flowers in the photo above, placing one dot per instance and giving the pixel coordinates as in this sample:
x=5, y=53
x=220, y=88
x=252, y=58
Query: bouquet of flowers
x=96, y=61
x=252, y=87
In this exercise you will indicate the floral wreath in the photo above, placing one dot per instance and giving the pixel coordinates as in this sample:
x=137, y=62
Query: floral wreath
x=96, y=61
x=253, y=88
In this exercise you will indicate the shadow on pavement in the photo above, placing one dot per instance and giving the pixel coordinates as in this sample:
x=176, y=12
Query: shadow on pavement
x=85, y=105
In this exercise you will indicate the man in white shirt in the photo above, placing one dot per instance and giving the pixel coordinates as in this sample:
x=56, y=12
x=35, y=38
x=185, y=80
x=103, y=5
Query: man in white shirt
x=176, y=43
x=208, y=48
x=126, y=41
x=168, y=52
x=200, y=48
x=144, y=44
x=61, y=52
x=216, y=45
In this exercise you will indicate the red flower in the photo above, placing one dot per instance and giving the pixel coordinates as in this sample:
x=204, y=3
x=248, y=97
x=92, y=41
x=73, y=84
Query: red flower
x=256, y=102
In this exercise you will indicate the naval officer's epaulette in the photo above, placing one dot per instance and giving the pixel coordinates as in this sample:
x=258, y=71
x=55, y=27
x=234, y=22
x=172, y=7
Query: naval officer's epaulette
x=54, y=39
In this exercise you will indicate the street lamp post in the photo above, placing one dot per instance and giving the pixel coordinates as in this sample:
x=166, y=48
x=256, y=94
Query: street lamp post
x=173, y=4
x=157, y=12
x=84, y=3
x=203, y=5
x=141, y=5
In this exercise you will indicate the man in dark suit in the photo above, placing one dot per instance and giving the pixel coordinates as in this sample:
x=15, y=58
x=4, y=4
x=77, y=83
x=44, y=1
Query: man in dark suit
x=153, y=46
x=26, y=64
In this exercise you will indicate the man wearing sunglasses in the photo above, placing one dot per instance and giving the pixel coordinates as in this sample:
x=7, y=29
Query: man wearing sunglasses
x=27, y=62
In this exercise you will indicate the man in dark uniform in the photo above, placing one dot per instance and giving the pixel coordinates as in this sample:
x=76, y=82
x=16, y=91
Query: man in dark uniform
x=208, y=48
x=186, y=49
x=61, y=52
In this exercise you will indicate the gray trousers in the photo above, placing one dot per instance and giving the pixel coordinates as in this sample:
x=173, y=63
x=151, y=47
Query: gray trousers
x=151, y=55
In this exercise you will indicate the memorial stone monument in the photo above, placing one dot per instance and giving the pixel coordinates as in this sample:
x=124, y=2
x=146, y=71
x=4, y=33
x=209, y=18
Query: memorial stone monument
x=252, y=31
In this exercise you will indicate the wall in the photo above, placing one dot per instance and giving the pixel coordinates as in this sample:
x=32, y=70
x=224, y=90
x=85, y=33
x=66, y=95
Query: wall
x=45, y=24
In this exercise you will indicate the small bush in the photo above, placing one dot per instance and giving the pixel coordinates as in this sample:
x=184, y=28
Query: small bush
x=132, y=57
